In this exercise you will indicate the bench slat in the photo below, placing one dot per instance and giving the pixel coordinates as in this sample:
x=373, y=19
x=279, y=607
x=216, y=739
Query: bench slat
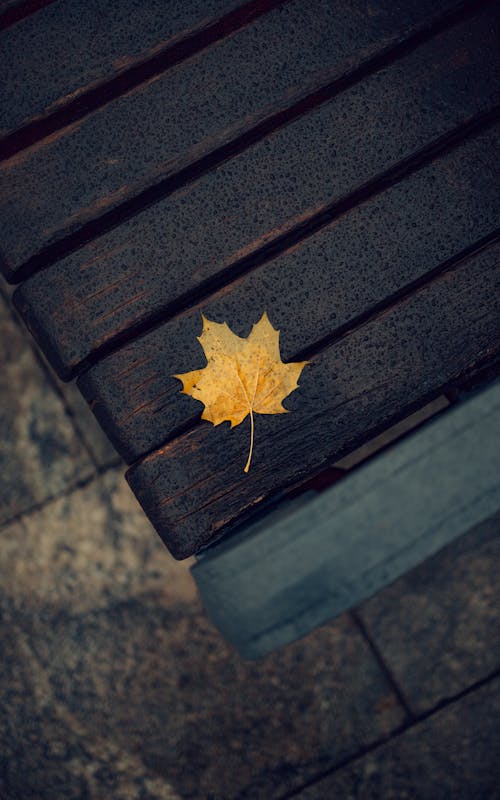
x=194, y=488
x=147, y=264
x=139, y=139
x=19, y=9
x=72, y=45
x=309, y=292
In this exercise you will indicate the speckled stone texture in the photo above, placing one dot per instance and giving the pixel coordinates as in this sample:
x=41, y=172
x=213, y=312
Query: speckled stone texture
x=45, y=750
x=112, y=681
x=439, y=625
x=96, y=441
x=85, y=551
x=110, y=645
x=449, y=756
x=40, y=452
x=155, y=680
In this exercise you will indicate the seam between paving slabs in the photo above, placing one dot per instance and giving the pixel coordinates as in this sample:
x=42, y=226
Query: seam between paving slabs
x=186, y=174
x=395, y=734
x=383, y=665
x=52, y=381
x=97, y=473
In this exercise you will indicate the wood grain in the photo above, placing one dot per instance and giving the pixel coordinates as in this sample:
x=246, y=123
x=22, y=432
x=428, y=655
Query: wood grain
x=194, y=489
x=311, y=291
x=13, y=11
x=78, y=174
x=74, y=45
x=148, y=265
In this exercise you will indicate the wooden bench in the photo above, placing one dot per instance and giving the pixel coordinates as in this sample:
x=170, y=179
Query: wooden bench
x=330, y=163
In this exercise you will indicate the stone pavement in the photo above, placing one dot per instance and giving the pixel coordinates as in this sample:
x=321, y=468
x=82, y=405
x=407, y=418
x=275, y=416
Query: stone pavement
x=113, y=684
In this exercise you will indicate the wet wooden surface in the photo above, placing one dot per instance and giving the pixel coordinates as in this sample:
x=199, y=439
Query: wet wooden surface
x=194, y=488
x=13, y=11
x=146, y=268
x=75, y=45
x=311, y=292
x=128, y=146
x=328, y=162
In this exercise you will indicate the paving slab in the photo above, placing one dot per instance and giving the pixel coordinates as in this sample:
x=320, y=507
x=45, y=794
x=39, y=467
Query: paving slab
x=152, y=677
x=87, y=550
x=90, y=432
x=44, y=754
x=438, y=625
x=115, y=648
x=41, y=455
x=453, y=754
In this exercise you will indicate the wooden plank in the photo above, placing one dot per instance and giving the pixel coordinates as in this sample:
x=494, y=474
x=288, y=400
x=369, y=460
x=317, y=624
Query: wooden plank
x=276, y=581
x=147, y=265
x=194, y=488
x=141, y=139
x=73, y=45
x=12, y=11
x=318, y=287
x=5, y=4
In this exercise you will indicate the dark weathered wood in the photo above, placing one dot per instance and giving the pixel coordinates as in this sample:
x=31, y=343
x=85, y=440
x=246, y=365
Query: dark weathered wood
x=5, y=4
x=194, y=488
x=276, y=581
x=13, y=11
x=72, y=45
x=77, y=174
x=310, y=291
x=147, y=264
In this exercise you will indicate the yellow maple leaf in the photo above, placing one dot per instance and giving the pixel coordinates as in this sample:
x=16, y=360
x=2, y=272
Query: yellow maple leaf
x=242, y=376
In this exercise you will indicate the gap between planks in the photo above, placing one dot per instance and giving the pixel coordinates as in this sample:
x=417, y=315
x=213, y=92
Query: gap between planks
x=376, y=311
x=18, y=11
x=143, y=70
x=185, y=174
x=295, y=235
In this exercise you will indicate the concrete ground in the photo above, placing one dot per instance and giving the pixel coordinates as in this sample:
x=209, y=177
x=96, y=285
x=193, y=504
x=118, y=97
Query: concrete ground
x=115, y=685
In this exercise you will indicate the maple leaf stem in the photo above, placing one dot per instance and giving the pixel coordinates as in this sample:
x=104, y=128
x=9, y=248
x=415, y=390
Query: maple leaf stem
x=241, y=374
x=247, y=465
